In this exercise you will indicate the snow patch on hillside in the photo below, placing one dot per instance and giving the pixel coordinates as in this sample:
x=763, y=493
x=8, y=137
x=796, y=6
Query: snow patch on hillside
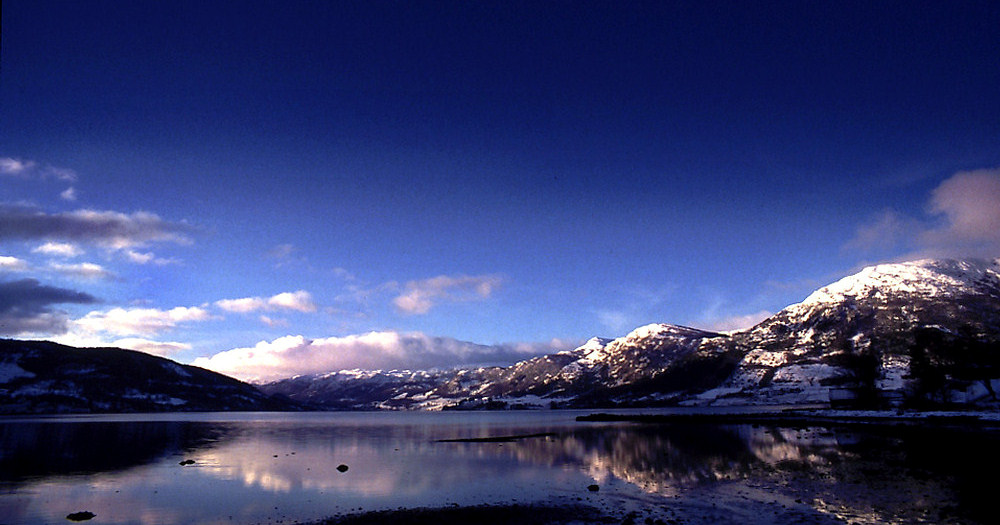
x=10, y=372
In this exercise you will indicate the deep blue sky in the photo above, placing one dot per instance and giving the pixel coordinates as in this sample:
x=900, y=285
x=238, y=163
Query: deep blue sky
x=564, y=169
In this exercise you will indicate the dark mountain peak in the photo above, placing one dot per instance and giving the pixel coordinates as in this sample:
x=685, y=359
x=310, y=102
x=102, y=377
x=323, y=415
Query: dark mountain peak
x=46, y=377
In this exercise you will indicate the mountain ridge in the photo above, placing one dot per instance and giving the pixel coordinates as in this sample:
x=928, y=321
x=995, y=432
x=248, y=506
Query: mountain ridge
x=917, y=334
x=888, y=335
x=46, y=377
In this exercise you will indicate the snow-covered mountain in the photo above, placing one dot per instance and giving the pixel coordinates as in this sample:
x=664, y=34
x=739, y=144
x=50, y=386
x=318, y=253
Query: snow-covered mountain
x=43, y=377
x=920, y=331
x=909, y=333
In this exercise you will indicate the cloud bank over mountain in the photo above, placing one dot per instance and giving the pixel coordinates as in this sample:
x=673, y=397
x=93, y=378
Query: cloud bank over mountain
x=297, y=355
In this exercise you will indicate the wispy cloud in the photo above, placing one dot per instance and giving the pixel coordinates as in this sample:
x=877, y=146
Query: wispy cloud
x=109, y=229
x=963, y=220
x=160, y=348
x=29, y=169
x=83, y=339
x=627, y=306
x=269, y=321
x=889, y=230
x=27, y=307
x=300, y=301
x=736, y=322
x=86, y=270
x=615, y=320
x=286, y=255
x=281, y=251
x=147, y=258
x=419, y=297
x=15, y=167
x=296, y=355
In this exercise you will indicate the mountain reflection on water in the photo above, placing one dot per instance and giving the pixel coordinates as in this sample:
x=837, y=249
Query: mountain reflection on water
x=31, y=450
x=250, y=470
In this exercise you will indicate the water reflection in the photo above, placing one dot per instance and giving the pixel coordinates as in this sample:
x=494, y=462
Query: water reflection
x=284, y=467
x=30, y=450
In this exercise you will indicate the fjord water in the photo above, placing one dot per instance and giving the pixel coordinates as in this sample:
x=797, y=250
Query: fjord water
x=282, y=468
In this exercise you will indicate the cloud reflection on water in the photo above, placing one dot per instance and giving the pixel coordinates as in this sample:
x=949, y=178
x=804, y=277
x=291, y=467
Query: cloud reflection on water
x=128, y=471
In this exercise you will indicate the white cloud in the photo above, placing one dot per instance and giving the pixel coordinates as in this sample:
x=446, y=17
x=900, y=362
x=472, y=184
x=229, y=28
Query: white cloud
x=295, y=355
x=160, y=348
x=60, y=249
x=139, y=321
x=13, y=264
x=420, y=296
x=242, y=306
x=969, y=202
x=69, y=194
x=300, y=301
x=86, y=270
x=737, y=322
x=81, y=339
x=963, y=221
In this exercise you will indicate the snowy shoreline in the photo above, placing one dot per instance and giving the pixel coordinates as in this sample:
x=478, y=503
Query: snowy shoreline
x=809, y=415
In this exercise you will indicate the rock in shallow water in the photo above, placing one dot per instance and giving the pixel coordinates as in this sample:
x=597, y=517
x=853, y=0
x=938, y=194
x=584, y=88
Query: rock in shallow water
x=342, y=468
x=80, y=516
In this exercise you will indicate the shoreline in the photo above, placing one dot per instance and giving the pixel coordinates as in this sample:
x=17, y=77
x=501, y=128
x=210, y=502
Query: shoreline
x=485, y=514
x=799, y=416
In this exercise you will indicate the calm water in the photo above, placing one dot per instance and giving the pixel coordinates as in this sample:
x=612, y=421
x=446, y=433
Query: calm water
x=282, y=468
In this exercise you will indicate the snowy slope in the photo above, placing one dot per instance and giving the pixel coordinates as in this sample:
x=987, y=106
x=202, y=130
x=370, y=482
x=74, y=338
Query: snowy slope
x=862, y=331
x=925, y=279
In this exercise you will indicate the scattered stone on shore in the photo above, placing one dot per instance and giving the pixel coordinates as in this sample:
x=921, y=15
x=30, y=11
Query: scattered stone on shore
x=81, y=516
x=186, y=462
x=342, y=468
x=593, y=488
